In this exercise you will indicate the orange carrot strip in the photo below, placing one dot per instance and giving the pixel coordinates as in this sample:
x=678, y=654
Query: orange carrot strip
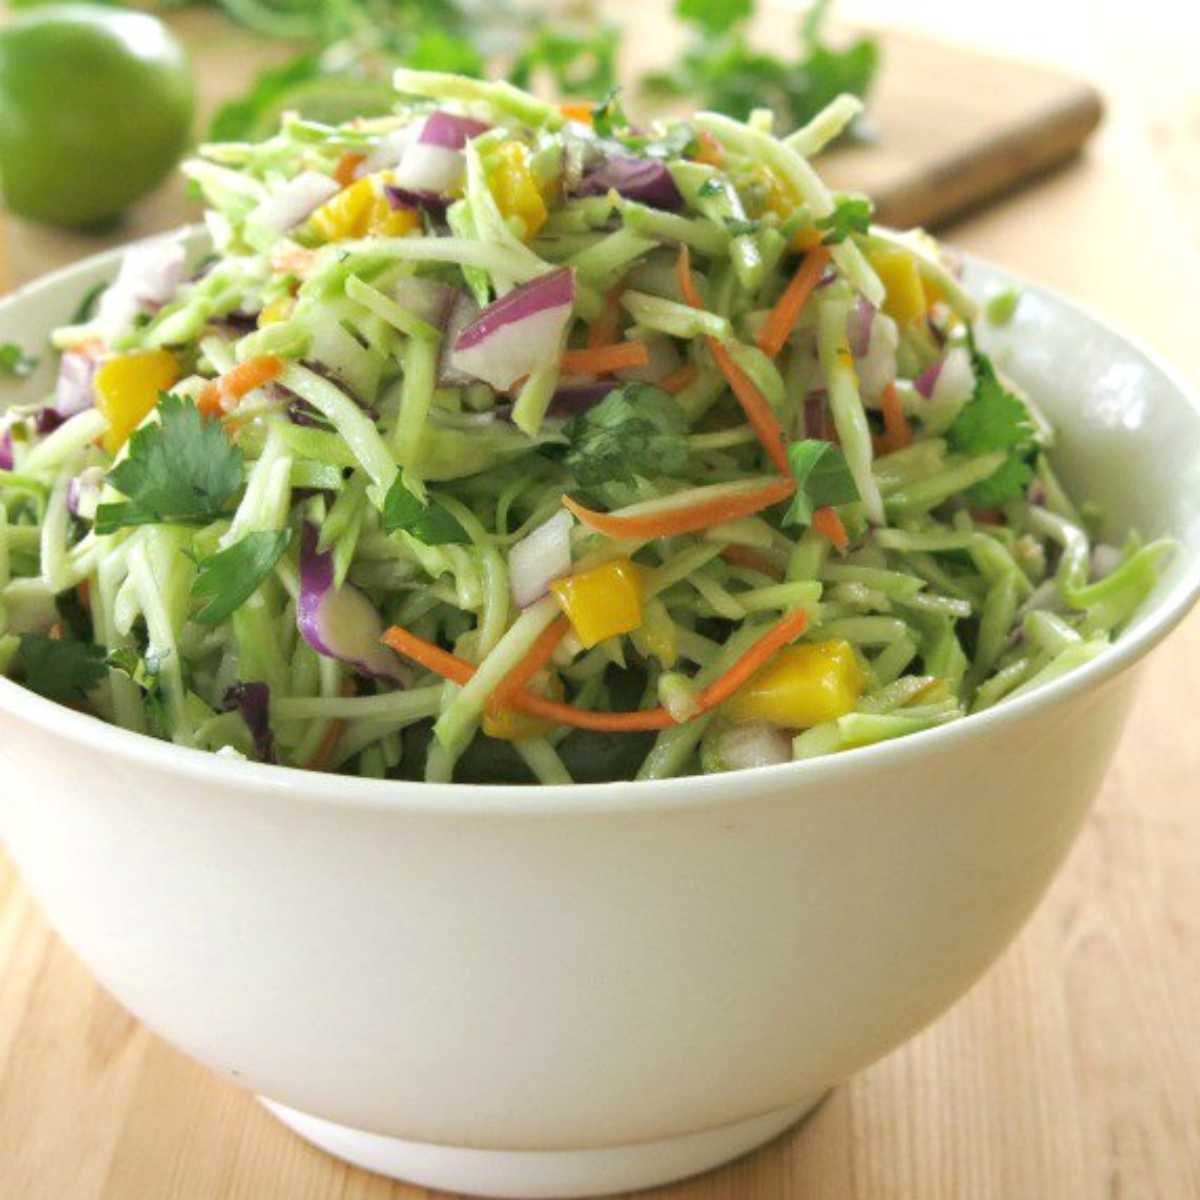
x=678, y=380
x=754, y=405
x=897, y=432
x=538, y=656
x=604, y=329
x=333, y=735
x=234, y=384
x=786, y=630
x=827, y=522
x=576, y=110
x=672, y=522
x=601, y=360
x=782, y=318
x=745, y=556
x=987, y=516
x=343, y=173
x=710, y=150
x=85, y=594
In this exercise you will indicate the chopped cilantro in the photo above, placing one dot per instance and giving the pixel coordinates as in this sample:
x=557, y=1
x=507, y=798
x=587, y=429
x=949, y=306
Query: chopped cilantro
x=14, y=362
x=227, y=579
x=994, y=419
x=608, y=117
x=181, y=471
x=822, y=478
x=431, y=523
x=636, y=429
x=59, y=669
x=851, y=214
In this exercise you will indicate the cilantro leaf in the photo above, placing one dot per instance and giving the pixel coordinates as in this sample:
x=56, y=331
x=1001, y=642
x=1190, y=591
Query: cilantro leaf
x=147, y=674
x=227, y=579
x=714, y=16
x=822, y=478
x=608, y=117
x=851, y=214
x=994, y=419
x=14, y=362
x=431, y=523
x=182, y=470
x=61, y=670
x=636, y=429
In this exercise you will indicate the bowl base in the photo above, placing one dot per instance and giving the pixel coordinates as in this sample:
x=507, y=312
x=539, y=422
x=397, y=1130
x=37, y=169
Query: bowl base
x=542, y=1174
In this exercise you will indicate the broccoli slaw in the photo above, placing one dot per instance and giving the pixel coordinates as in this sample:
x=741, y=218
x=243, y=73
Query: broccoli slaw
x=501, y=441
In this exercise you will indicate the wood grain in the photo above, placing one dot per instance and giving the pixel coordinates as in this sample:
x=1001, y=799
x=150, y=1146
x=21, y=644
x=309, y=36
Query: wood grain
x=1072, y=1070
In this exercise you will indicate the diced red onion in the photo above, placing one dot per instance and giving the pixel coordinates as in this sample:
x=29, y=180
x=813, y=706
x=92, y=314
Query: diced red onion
x=664, y=361
x=6, y=451
x=858, y=327
x=1105, y=560
x=411, y=199
x=253, y=701
x=574, y=396
x=643, y=179
x=519, y=332
x=435, y=162
x=927, y=380
x=430, y=299
x=340, y=622
x=754, y=745
x=951, y=385
x=463, y=311
x=539, y=559
x=1037, y=493
x=83, y=493
x=877, y=366
x=450, y=130
x=294, y=201
x=47, y=420
x=814, y=414
x=149, y=276
x=73, y=392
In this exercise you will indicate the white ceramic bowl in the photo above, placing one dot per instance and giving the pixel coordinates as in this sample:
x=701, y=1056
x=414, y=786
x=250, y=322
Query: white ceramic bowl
x=547, y=991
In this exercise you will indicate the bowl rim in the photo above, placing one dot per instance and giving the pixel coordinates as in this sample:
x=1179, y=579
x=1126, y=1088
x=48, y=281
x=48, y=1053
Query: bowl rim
x=417, y=797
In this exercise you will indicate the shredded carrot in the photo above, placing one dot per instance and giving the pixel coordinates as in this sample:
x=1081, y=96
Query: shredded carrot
x=785, y=630
x=343, y=173
x=678, y=380
x=576, y=110
x=221, y=394
x=745, y=556
x=672, y=522
x=603, y=359
x=758, y=411
x=782, y=318
x=604, y=329
x=538, y=656
x=897, y=433
x=709, y=151
x=827, y=523
x=294, y=261
x=85, y=594
x=987, y=516
x=324, y=752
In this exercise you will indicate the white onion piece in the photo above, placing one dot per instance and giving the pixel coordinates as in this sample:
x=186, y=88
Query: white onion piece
x=463, y=311
x=664, y=361
x=519, y=332
x=430, y=299
x=756, y=744
x=294, y=201
x=430, y=169
x=877, y=366
x=73, y=391
x=540, y=558
x=83, y=493
x=341, y=622
x=149, y=276
x=1105, y=560
x=389, y=150
x=952, y=388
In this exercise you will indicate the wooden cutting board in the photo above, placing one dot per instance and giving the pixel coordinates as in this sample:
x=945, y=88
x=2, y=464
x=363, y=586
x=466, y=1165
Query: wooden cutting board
x=952, y=127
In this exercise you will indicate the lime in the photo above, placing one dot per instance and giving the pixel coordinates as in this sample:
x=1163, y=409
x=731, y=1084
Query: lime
x=95, y=108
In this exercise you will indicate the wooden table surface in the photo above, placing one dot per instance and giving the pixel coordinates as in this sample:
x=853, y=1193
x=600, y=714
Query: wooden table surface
x=1072, y=1070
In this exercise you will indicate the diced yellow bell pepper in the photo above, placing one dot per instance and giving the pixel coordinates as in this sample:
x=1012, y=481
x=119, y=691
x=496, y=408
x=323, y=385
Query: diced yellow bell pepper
x=386, y=221
x=602, y=602
x=803, y=685
x=897, y=270
x=278, y=310
x=347, y=215
x=515, y=189
x=128, y=387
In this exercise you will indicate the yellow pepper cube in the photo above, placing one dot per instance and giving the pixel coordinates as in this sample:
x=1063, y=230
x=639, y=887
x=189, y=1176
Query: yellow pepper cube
x=386, y=221
x=512, y=726
x=127, y=388
x=347, y=215
x=802, y=685
x=278, y=310
x=602, y=602
x=897, y=270
x=515, y=189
